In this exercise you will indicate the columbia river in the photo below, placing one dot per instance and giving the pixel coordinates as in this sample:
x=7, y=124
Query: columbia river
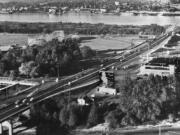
x=84, y=17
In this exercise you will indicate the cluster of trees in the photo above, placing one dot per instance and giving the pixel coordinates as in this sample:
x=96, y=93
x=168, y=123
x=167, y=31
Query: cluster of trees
x=173, y=41
x=52, y=117
x=80, y=28
x=175, y=1
x=144, y=100
x=152, y=29
x=44, y=60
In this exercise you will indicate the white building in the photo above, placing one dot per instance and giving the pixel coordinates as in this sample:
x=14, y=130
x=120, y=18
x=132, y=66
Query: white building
x=84, y=101
x=106, y=91
x=116, y=3
x=81, y=101
x=157, y=70
x=103, y=10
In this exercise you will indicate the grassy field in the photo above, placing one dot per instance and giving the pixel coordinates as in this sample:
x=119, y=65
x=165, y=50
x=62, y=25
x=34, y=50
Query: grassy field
x=12, y=39
x=98, y=43
x=112, y=42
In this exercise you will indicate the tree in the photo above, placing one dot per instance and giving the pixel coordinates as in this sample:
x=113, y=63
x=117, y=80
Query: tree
x=64, y=116
x=2, y=68
x=112, y=119
x=93, y=116
x=26, y=68
x=34, y=72
x=73, y=119
x=175, y=1
x=12, y=74
x=87, y=52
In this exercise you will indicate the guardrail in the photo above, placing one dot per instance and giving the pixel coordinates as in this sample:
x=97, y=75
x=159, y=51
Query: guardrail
x=9, y=81
x=25, y=90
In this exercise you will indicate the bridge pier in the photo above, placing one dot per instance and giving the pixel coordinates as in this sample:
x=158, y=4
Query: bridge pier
x=1, y=129
x=8, y=125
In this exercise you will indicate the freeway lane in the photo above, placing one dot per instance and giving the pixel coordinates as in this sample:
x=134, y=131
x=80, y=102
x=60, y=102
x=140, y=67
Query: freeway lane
x=13, y=111
x=143, y=50
x=61, y=87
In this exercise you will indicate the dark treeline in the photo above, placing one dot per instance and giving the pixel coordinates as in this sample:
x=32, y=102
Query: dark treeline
x=80, y=28
x=173, y=41
x=44, y=60
x=150, y=99
x=146, y=100
x=175, y=1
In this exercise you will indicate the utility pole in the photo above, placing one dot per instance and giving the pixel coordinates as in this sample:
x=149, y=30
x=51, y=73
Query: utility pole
x=159, y=130
x=69, y=96
x=58, y=70
x=58, y=66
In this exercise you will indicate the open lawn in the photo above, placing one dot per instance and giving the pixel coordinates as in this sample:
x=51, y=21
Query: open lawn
x=112, y=42
x=11, y=39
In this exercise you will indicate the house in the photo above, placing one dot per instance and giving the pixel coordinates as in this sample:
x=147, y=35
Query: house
x=84, y=101
x=106, y=91
x=103, y=10
x=116, y=3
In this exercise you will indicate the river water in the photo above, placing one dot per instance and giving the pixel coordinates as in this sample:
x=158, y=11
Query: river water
x=84, y=17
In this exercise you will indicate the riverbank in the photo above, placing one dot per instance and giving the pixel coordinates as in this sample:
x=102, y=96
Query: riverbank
x=78, y=28
x=98, y=11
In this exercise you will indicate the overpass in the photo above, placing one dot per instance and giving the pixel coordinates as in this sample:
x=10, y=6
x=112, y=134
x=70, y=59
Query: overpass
x=90, y=79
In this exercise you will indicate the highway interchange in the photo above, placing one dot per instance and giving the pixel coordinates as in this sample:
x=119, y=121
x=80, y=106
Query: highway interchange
x=88, y=78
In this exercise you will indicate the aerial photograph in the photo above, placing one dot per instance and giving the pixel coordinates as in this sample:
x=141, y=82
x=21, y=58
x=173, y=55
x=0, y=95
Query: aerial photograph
x=89, y=67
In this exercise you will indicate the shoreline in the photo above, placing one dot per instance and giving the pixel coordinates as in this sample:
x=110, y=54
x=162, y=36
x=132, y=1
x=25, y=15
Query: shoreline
x=132, y=13
x=75, y=28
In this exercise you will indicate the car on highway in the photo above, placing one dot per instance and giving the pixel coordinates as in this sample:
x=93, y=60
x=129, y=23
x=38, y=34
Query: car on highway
x=27, y=100
x=24, y=102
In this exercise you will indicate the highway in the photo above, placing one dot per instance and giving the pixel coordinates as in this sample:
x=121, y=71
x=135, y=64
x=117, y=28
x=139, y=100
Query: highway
x=16, y=110
x=88, y=79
